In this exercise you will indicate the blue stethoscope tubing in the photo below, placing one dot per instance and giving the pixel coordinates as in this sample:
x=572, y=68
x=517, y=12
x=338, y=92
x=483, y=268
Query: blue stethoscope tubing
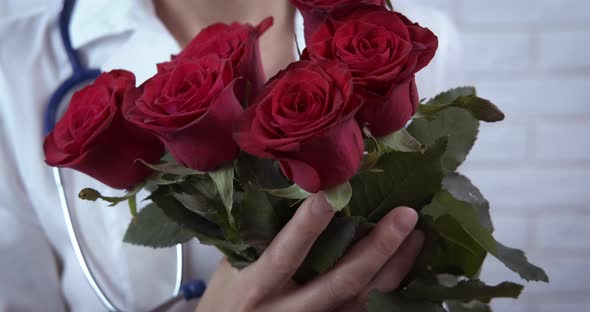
x=81, y=75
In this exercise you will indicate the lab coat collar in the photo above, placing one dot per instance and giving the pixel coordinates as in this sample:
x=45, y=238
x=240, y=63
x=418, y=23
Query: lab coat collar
x=148, y=41
x=96, y=19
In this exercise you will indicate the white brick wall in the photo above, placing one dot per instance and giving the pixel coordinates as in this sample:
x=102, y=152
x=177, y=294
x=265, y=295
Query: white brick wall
x=564, y=50
x=510, y=14
x=531, y=57
x=568, y=141
x=506, y=52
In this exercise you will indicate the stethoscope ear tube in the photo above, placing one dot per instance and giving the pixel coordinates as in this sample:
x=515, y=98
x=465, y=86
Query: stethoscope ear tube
x=79, y=75
x=76, y=244
x=188, y=291
x=60, y=94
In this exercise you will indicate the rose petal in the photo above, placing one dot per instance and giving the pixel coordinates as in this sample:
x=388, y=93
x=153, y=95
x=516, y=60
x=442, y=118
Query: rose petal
x=326, y=160
x=207, y=143
x=386, y=114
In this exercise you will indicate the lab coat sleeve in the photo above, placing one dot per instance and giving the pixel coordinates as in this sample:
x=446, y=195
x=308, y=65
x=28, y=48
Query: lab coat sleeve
x=29, y=270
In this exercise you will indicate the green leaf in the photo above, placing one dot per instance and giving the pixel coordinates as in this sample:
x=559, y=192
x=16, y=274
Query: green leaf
x=448, y=97
x=235, y=259
x=152, y=228
x=258, y=221
x=203, y=185
x=453, y=251
x=465, y=98
x=171, y=167
x=455, y=233
x=462, y=189
x=291, y=192
x=380, y=302
x=473, y=306
x=199, y=194
x=177, y=212
x=339, y=196
x=444, y=204
x=448, y=249
x=265, y=173
x=333, y=243
x=198, y=203
x=408, y=179
x=480, y=108
x=517, y=261
x=224, y=180
x=456, y=124
x=160, y=178
x=402, y=141
x=468, y=290
x=206, y=231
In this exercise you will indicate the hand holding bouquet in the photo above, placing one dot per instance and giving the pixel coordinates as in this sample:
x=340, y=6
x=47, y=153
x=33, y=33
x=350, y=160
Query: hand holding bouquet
x=229, y=158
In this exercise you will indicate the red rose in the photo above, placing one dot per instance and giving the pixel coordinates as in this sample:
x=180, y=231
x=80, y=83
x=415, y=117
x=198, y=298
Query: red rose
x=304, y=119
x=383, y=50
x=192, y=109
x=93, y=136
x=236, y=42
x=315, y=11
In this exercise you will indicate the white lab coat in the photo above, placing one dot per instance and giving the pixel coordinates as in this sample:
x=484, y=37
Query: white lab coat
x=38, y=269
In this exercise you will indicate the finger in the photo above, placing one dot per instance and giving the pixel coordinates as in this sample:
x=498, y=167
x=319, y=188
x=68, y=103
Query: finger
x=222, y=281
x=391, y=274
x=289, y=248
x=395, y=270
x=358, y=267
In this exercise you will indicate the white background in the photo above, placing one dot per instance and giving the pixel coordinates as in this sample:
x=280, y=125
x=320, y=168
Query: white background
x=531, y=57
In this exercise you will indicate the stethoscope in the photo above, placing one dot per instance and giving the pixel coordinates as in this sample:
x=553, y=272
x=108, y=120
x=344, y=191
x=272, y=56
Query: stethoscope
x=80, y=76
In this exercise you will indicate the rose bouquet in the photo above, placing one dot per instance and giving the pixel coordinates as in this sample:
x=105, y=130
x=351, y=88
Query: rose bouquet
x=227, y=157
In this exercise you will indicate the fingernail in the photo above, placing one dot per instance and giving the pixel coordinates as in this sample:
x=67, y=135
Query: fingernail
x=319, y=205
x=405, y=220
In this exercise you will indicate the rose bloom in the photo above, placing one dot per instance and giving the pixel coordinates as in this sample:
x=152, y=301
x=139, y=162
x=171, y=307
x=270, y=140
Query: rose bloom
x=304, y=119
x=237, y=42
x=192, y=109
x=315, y=11
x=94, y=138
x=383, y=50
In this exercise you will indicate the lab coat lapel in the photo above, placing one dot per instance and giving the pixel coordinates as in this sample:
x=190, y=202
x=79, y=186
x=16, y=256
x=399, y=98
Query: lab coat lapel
x=149, y=41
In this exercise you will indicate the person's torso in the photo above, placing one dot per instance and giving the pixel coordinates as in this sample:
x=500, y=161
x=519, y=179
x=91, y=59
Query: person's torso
x=136, y=278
